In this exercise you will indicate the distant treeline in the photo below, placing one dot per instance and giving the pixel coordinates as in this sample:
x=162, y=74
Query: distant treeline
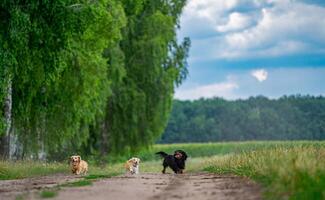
x=257, y=118
x=87, y=77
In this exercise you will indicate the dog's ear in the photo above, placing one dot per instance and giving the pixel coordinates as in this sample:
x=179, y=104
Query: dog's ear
x=79, y=158
x=185, y=156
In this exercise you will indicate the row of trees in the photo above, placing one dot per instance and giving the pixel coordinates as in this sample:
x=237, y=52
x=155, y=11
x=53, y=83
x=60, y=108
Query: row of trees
x=257, y=118
x=87, y=76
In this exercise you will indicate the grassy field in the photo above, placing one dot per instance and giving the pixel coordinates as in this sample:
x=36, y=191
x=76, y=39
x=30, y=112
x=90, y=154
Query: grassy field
x=211, y=149
x=285, y=173
x=287, y=170
x=24, y=169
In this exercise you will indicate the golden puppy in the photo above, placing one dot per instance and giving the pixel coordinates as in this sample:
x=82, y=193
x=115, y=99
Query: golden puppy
x=132, y=165
x=78, y=166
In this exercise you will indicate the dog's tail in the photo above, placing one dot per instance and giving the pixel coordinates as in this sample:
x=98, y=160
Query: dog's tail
x=162, y=154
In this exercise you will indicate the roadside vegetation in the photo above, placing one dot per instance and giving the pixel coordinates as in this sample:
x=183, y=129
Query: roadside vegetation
x=285, y=173
x=287, y=170
x=221, y=148
x=24, y=169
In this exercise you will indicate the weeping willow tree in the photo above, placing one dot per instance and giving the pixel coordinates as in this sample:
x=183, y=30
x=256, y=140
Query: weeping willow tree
x=91, y=76
x=51, y=54
x=146, y=66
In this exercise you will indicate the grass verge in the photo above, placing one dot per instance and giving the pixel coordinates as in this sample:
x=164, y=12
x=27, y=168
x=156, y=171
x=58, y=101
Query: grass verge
x=25, y=169
x=287, y=170
x=286, y=173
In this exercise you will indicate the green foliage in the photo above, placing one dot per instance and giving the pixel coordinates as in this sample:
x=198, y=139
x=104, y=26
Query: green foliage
x=53, y=51
x=257, y=118
x=76, y=65
x=145, y=67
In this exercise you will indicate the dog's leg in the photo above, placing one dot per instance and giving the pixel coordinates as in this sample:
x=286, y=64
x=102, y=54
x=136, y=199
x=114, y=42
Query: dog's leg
x=131, y=170
x=164, y=170
x=165, y=165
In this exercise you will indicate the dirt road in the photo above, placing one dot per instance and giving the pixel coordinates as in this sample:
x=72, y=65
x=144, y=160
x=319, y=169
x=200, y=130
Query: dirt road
x=150, y=186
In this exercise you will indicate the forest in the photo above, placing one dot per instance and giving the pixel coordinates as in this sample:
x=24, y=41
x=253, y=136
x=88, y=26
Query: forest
x=293, y=117
x=87, y=77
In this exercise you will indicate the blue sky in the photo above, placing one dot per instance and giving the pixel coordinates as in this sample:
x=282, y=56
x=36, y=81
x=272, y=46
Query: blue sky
x=243, y=48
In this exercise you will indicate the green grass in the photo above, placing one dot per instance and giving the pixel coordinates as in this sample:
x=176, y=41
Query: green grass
x=19, y=197
x=196, y=150
x=48, y=194
x=286, y=173
x=80, y=183
x=97, y=176
x=286, y=169
x=25, y=169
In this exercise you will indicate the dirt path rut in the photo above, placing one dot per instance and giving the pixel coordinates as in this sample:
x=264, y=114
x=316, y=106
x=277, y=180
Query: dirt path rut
x=152, y=186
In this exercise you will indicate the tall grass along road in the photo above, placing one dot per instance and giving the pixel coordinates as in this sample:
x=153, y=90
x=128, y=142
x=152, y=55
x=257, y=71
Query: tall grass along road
x=283, y=170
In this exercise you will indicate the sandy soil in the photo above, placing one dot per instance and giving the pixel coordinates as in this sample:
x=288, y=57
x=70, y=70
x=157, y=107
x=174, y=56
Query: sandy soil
x=150, y=186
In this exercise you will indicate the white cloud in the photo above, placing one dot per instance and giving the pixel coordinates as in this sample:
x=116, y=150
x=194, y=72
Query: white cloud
x=290, y=28
x=260, y=74
x=242, y=85
x=236, y=21
x=201, y=17
x=224, y=89
x=269, y=28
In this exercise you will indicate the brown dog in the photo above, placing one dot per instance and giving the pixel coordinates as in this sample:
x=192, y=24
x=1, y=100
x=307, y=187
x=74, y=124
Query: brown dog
x=78, y=166
x=132, y=165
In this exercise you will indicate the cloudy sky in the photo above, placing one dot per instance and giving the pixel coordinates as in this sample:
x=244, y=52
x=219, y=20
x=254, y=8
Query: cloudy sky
x=243, y=48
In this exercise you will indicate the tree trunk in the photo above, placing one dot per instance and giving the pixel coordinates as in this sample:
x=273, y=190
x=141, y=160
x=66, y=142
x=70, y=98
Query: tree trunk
x=105, y=131
x=5, y=138
x=104, y=138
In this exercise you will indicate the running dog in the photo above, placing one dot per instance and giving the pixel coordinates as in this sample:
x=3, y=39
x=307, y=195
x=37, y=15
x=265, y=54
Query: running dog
x=78, y=166
x=176, y=162
x=132, y=165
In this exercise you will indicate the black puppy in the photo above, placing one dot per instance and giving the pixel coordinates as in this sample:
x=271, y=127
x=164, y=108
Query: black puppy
x=176, y=162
